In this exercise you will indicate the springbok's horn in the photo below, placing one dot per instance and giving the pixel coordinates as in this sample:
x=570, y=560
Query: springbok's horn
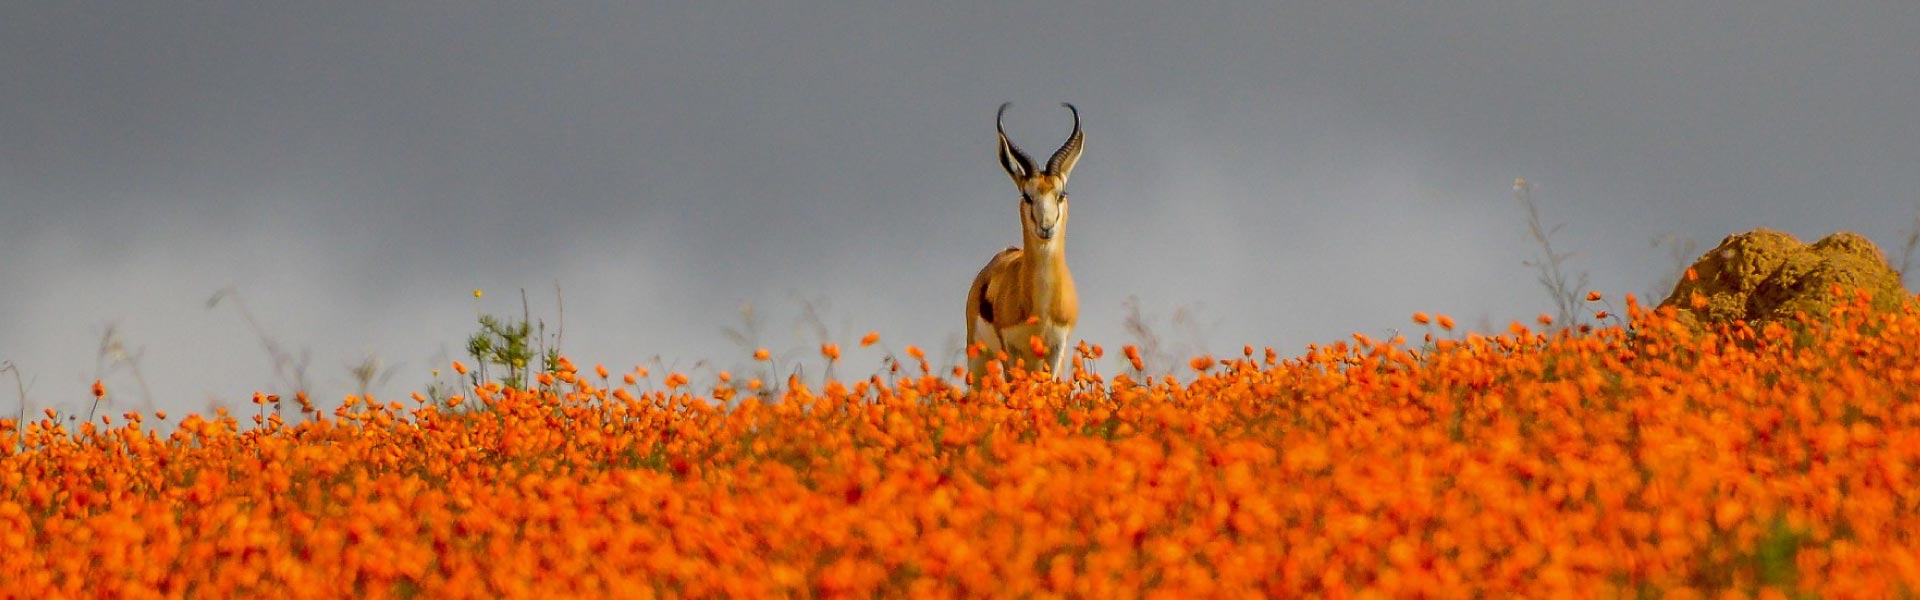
x=998, y=125
x=1069, y=153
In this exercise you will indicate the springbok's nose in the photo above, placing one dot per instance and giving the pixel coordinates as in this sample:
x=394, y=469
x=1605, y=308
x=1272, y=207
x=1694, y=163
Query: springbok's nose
x=1046, y=233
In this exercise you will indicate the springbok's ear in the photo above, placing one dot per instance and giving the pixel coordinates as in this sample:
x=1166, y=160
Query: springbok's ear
x=1061, y=165
x=1012, y=159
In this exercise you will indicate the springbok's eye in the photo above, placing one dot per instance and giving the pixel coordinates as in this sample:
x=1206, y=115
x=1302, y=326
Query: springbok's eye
x=1025, y=199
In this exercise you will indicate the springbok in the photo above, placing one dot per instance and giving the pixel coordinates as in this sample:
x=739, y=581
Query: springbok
x=1022, y=303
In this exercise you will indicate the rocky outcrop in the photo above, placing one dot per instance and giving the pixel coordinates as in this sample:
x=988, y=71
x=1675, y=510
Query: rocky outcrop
x=1767, y=275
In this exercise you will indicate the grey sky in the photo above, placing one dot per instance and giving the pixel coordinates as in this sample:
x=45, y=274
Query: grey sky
x=1295, y=174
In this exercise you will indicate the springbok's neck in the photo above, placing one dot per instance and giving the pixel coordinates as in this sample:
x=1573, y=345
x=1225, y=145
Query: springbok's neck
x=1046, y=269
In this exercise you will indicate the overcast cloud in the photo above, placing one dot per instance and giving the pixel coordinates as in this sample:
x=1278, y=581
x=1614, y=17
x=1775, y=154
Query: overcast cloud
x=1293, y=175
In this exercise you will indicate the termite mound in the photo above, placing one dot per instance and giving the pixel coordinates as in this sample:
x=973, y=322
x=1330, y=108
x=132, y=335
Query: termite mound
x=1765, y=275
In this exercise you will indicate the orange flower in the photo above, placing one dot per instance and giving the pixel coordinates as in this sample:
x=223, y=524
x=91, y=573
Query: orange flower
x=459, y=368
x=871, y=338
x=1422, y=318
x=1201, y=363
x=1728, y=513
x=831, y=351
x=1594, y=461
x=1445, y=322
x=99, y=390
x=762, y=355
x=915, y=352
x=1593, y=296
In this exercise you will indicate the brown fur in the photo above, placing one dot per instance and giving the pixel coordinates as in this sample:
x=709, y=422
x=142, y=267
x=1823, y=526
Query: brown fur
x=1006, y=295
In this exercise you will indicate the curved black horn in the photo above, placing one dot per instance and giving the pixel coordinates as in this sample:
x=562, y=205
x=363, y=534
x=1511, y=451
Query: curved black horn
x=1026, y=164
x=1063, y=159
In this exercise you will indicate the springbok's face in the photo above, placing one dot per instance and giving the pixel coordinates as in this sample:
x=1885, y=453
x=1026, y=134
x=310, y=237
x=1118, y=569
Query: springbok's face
x=1043, y=194
x=1043, y=207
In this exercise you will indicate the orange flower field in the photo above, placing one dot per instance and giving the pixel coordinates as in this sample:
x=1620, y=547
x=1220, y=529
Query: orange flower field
x=1774, y=460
